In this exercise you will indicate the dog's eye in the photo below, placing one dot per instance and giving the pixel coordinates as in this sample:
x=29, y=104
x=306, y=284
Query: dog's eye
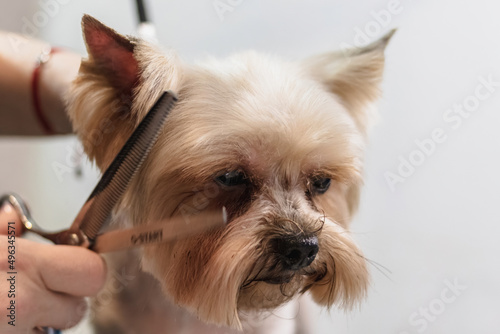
x=321, y=185
x=232, y=178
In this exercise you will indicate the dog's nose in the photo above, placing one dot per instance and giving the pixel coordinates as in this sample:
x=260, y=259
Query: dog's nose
x=296, y=253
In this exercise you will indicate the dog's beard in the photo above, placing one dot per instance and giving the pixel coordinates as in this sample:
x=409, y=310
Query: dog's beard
x=223, y=274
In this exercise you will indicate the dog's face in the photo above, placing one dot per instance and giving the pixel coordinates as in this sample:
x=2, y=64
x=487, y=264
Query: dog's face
x=278, y=144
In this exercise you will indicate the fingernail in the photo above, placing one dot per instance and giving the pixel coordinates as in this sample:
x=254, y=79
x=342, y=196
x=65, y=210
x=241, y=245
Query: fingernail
x=6, y=208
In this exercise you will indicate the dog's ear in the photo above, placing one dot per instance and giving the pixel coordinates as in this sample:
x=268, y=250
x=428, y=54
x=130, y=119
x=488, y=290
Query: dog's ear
x=111, y=54
x=116, y=86
x=354, y=75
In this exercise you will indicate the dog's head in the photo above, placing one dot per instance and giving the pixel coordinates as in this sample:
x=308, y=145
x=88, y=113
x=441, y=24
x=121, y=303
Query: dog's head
x=279, y=144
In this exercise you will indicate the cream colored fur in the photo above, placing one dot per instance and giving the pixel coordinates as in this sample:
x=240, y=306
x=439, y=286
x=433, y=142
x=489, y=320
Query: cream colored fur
x=282, y=123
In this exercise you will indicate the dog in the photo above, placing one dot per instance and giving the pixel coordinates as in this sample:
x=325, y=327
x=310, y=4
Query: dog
x=278, y=143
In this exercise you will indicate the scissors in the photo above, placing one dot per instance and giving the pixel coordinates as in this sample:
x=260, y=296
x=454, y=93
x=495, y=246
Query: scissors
x=94, y=215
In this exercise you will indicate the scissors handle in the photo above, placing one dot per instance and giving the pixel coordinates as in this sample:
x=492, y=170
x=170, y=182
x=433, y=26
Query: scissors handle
x=28, y=223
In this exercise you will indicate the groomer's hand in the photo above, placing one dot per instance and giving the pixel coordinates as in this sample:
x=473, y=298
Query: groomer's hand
x=43, y=285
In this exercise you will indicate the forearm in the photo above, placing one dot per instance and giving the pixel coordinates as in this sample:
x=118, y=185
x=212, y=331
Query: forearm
x=17, y=62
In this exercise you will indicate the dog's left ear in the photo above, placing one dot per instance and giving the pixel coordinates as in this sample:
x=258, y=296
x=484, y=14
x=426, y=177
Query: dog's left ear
x=353, y=75
x=111, y=54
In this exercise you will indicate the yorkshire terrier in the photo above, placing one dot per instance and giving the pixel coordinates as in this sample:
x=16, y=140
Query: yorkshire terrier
x=278, y=143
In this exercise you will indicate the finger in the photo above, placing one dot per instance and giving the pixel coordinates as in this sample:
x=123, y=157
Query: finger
x=9, y=215
x=36, y=303
x=73, y=270
x=60, y=311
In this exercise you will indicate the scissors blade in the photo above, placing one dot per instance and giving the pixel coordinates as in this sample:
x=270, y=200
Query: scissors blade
x=95, y=212
x=162, y=231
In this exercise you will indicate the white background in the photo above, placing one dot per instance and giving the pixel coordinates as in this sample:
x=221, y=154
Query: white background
x=440, y=226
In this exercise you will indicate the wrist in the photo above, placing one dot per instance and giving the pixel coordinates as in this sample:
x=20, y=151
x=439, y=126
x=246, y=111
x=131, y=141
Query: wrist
x=54, y=79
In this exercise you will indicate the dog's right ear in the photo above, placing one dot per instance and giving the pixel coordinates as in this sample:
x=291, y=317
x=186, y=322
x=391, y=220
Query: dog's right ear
x=111, y=55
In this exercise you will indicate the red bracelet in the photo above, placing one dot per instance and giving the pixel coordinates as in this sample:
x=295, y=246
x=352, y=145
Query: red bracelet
x=35, y=78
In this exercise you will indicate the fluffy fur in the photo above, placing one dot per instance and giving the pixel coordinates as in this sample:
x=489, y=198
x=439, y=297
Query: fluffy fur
x=283, y=124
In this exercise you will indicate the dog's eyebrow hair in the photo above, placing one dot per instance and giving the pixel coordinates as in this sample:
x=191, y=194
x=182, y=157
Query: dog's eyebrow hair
x=340, y=173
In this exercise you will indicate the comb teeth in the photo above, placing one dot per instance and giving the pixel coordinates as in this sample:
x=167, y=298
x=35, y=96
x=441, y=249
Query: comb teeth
x=128, y=161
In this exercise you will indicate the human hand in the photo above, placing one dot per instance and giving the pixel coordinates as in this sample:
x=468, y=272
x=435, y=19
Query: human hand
x=43, y=285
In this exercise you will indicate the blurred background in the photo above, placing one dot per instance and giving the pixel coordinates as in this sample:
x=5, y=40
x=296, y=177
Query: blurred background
x=429, y=218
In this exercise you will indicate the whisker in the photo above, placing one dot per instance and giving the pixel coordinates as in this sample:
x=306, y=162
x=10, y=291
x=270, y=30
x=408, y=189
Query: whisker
x=386, y=271
x=297, y=225
x=286, y=318
x=337, y=221
x=331, y=292
x=322, y=220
